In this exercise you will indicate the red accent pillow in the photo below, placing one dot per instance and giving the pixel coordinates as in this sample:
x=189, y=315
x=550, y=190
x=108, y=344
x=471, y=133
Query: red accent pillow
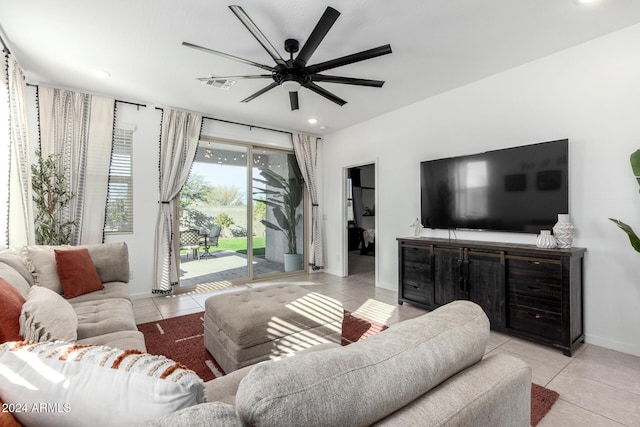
x=6, y=417
x=77, y=272
x=12, y=301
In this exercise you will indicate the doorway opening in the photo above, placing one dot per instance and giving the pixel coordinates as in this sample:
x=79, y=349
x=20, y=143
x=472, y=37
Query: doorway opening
x=361, y=221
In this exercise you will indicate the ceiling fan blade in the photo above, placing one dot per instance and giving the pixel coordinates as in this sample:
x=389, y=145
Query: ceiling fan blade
x=346, y=80
x=293, y=97
x=349, y=59
x=323, y=92
x=321, y=29
x=258, y=76
x=226, y=55
x=260, y=92
x=255, y=31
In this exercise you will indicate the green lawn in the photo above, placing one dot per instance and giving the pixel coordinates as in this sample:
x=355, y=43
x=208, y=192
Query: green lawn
x=238, y=244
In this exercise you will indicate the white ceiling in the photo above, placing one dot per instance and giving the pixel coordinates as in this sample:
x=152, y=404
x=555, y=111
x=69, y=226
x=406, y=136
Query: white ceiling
x=437, y=45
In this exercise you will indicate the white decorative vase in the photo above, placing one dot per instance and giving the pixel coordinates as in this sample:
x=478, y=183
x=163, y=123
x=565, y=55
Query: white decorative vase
x=564, y=231
x=546, y=240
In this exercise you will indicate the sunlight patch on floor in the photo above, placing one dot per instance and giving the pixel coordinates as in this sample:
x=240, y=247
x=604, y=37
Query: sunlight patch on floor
x=203, y=288
x=377, y=311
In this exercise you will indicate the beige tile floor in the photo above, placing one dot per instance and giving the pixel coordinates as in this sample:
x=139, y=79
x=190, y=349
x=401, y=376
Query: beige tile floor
x=597, y=386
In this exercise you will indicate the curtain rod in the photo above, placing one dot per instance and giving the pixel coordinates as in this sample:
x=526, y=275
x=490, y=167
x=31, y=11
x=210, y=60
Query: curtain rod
x=137, y=104
x=132, y=103
x=240, y=124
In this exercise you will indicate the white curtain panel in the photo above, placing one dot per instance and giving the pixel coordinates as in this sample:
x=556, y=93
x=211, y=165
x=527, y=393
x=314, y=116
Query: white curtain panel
x=21, y=223
x=306, y=149
x=178, y=143
x=79, y=127
x=5, y=156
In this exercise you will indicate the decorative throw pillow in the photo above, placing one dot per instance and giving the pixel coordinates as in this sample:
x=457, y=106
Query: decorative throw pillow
x=94, y=385
x=6, y=418
x=43, y=262
x=77, y=272
x=46, y=316
x=12, y=302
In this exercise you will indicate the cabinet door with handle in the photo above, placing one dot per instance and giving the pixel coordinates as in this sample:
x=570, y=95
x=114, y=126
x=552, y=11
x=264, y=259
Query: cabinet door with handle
x=416, y=275
x=487, y=286
x=450, y=275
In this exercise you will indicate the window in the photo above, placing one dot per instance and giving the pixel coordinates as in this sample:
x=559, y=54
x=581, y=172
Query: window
x=120, y=194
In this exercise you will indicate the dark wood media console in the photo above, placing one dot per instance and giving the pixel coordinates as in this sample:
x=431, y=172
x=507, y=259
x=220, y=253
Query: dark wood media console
x=525, y=291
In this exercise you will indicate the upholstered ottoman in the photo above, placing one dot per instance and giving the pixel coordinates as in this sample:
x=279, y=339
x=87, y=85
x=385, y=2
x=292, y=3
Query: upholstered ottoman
x=249, y=326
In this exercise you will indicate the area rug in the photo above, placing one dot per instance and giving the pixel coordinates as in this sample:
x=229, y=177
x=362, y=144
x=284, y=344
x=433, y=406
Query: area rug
x=182, y=339
x=542, y=399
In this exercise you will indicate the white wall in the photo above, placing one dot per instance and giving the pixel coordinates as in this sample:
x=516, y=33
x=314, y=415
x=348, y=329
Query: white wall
x=589, y=94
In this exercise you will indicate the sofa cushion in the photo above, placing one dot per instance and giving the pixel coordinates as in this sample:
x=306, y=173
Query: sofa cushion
x=46, y=316
x=110, y=290
x=494, y=392
x=216, y=414
x=110, y=259
x=378, y=375
x=131, y=340
x=12, y=302
x=104, y=316
x=16, y=260
x=45, y=272
x=94, y=385
x=77, y=272
x=14, y=279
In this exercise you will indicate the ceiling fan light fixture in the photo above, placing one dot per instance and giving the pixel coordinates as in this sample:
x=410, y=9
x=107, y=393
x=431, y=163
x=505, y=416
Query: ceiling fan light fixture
x=291, y=85
x=101, y=74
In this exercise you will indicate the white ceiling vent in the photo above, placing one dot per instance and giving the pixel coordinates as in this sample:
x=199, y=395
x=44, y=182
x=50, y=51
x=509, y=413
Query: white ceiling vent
x=224, y=84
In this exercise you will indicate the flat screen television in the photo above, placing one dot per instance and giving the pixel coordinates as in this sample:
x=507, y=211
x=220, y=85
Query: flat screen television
x=519, y=189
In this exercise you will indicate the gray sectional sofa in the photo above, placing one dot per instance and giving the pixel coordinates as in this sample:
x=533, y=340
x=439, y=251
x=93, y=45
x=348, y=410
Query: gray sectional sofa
x=428, y=371
x=104, y=317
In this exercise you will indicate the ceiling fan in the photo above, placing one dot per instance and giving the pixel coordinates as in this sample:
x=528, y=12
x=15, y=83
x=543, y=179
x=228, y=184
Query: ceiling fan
x=292, y=74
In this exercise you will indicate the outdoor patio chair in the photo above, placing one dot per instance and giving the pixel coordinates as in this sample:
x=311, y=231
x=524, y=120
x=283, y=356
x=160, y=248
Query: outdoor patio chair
x=212, y=239
x=190, y=240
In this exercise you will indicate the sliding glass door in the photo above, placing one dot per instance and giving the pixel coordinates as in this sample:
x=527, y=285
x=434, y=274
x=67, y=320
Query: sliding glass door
x=278, y=190
x=241, y=215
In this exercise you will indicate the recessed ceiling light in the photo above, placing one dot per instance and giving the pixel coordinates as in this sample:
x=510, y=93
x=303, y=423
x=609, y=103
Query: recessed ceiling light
x=312, y=121
x=583, y=1
x=101, y=74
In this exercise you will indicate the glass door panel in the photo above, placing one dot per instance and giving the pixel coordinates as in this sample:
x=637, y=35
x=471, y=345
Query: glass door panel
x=278, y=226
x=214, y=202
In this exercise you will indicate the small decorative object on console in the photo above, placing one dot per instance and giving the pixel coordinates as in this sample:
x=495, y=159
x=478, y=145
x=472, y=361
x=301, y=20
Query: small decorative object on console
x=546, y=240
x=563, y=231
x=417, y=227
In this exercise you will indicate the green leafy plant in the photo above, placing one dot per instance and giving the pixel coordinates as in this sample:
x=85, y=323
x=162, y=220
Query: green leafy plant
x=633, y=237
x=283, y=195
x=51, y=196
x=223, y=220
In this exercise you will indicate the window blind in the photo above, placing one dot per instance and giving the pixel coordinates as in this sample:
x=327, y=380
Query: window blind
x=120, y=193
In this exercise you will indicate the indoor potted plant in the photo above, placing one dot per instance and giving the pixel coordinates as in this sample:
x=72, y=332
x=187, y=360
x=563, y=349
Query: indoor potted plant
x=633, y=237
x=284, y=196
x=51, y=196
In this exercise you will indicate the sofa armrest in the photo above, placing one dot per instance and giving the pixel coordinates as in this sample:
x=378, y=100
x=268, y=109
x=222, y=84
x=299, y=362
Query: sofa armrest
x=494, y=392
